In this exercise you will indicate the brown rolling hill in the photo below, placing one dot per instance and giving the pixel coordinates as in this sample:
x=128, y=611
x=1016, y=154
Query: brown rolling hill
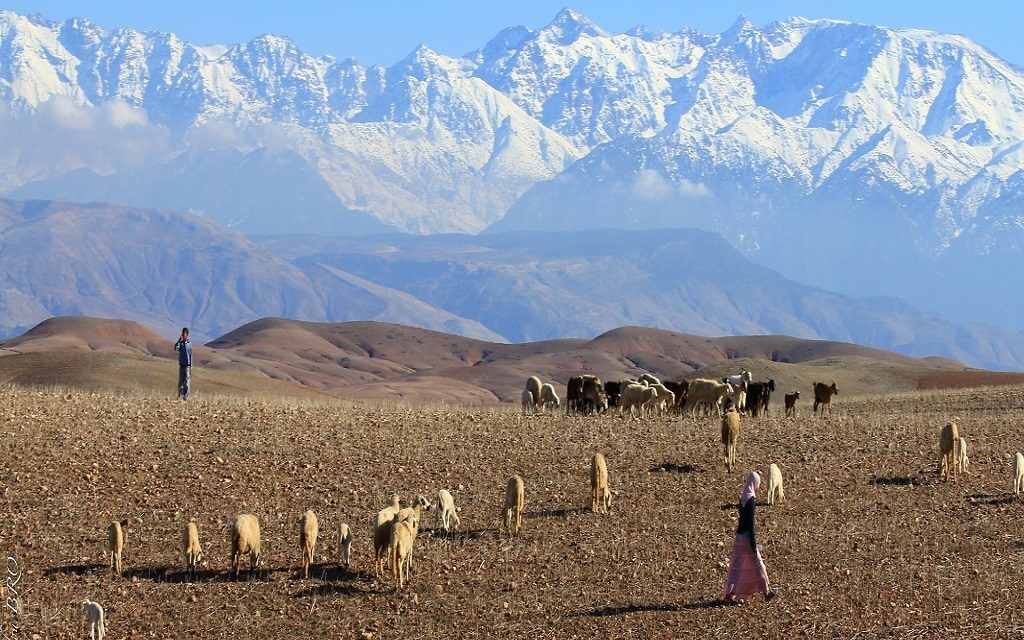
x=385, y=362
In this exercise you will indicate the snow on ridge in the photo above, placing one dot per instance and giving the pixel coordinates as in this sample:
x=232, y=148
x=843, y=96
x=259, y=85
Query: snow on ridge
x=797, y=99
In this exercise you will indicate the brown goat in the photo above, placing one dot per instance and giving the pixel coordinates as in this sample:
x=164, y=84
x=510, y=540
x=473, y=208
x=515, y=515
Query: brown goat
x=823, y=396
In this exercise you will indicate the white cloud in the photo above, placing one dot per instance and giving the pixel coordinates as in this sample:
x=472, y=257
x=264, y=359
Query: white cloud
x=649, y=184
x=693, y=189
x=120, y=114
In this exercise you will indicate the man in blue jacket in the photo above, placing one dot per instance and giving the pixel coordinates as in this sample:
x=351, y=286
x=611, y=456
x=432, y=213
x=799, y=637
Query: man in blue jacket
x=184, y=349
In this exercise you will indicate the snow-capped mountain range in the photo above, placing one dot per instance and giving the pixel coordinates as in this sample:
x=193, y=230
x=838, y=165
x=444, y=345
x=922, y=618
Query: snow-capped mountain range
x=855, y=157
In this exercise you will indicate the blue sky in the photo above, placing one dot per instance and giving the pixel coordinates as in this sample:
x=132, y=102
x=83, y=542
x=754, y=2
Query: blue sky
x=384, y=31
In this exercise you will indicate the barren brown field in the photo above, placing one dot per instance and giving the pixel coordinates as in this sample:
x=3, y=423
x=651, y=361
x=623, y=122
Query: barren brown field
x=868, y=541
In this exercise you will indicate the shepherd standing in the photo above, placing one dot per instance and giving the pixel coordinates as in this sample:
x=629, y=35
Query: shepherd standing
x=747, y=573
x=184, y=349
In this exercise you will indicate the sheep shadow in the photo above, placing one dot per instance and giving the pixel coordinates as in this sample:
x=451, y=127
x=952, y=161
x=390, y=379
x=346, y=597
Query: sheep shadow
x=331, y=572
x=990, y=500
x=605, y=612
x=672, y=467
x=74, y=569
x=895, y=481
x=459, y=536
x=182, y=575
x=153, y=574
x=557, y=513
x=350, y=588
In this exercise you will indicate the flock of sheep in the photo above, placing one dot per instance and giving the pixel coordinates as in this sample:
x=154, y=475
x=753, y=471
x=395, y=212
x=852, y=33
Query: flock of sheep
x=395, y=528
x=649, y=395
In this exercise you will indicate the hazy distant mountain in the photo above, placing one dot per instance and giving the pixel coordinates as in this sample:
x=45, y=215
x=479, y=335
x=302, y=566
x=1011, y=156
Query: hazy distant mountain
x=172, y=270
x=528, y=286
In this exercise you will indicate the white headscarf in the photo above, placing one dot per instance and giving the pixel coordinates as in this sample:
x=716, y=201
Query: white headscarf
x=750, y=487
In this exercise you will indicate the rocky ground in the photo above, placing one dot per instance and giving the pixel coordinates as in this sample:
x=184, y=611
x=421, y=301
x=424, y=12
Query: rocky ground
x=868, y=540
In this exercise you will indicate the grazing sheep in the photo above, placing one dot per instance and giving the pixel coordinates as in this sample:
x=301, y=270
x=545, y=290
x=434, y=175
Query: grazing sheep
x=961, y=457
x=548, y=397
x=94, y=612
x=742, y=379
x=775, y=484
x=309, y=529
x=245, y=538
x=635, y=396
x=708, y=393
x=791, y=399
x=823, y=397
x=382, y=524
x=400, y=543
x=533, y=385
x=115, y=543
x=664, y=400
x=529, y=402
x=738, y=396
x=730, y=434
x=388, y=513
x=419, y=505
x=445, y=512
x=1018, y=474
x=414, y=513
x=344, y=544
x=648, y=379
x=512, y=514
x=948, y=437
x=601, y=495
x=190, y=546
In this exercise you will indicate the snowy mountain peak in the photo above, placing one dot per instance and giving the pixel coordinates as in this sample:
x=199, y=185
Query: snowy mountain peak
x=741, y=132
x=568, y=26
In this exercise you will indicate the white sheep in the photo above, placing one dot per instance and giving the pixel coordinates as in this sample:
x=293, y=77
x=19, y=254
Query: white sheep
x=533, y=385
x=115, y=543
x=309, y=529
x=548, y=397
x=245, y=539
x=415, y=512
x=344, y=544
x=648, y=380
x=775, y=484
x=94, y=612
x=730, y=434
x=529, y=402
x=961, y=454
x=636, y=396
x=190, y=547
x=400, y=544
x=1018, y=474
x=707, y=392
x=512, y=512
x=382, y=524
x=446, y=511
x=948, y=437
x=742, y=379
x=738, y=395
x=601, y=496
x=664, y=400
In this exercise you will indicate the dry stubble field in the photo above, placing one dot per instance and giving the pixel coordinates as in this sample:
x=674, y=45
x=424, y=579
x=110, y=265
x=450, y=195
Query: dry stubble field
x=868, y=539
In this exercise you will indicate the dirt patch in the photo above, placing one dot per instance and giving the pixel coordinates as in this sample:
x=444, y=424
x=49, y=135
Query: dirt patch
x=867, y=541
